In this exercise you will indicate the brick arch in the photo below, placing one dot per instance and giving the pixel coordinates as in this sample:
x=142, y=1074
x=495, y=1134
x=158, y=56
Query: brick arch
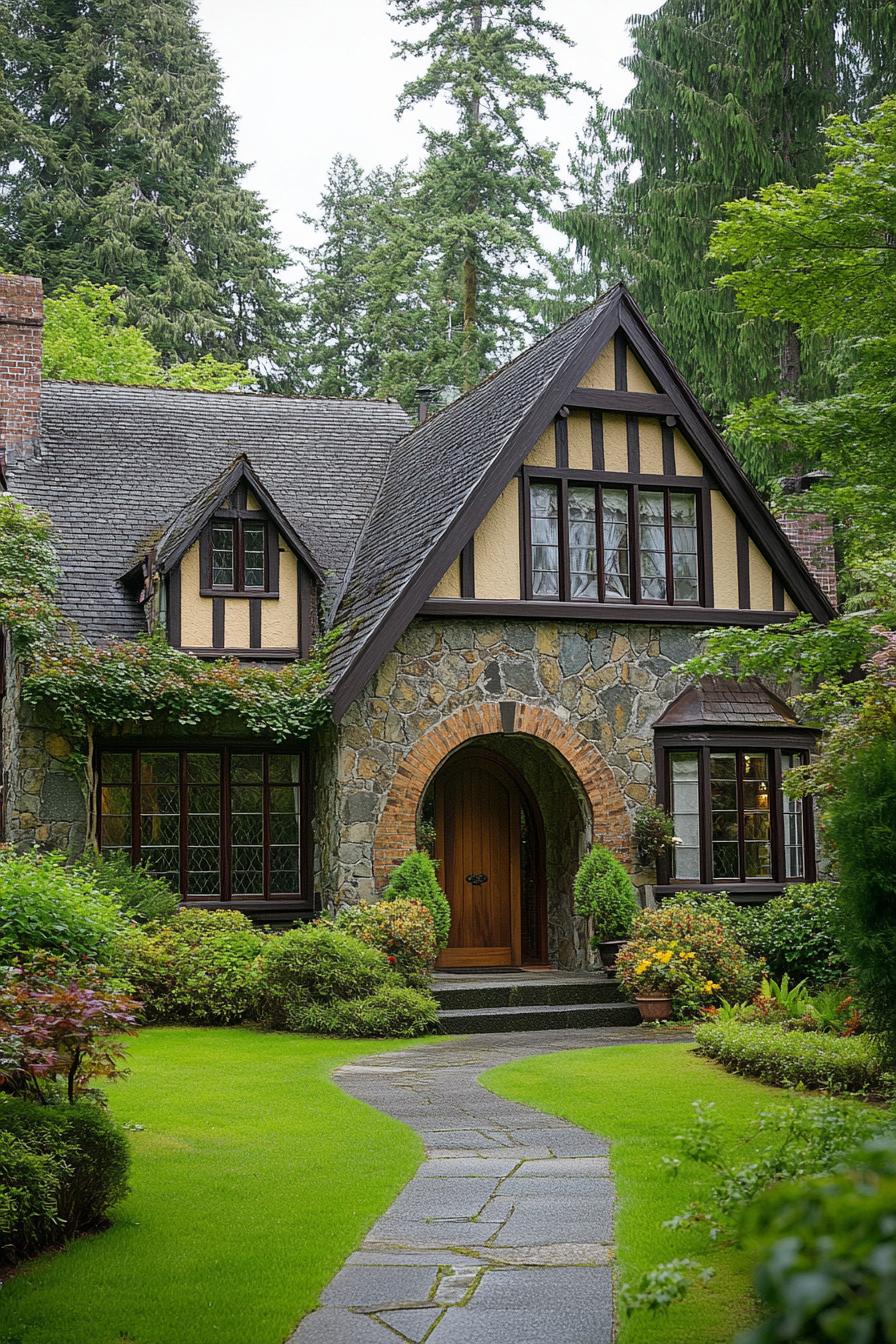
x=396, y=832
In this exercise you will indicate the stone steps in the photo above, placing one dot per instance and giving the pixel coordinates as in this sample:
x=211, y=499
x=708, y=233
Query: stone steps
x=517, y=992
x=538, y=1017
x=530, y=1001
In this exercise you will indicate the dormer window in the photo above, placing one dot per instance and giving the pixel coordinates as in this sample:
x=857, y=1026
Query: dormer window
x=238, y=556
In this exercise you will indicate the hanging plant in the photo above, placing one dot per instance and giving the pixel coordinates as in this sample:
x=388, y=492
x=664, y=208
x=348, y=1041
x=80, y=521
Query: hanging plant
x=654, y=834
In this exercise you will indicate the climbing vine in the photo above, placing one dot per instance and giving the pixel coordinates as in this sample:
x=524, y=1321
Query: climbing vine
x=28, y=575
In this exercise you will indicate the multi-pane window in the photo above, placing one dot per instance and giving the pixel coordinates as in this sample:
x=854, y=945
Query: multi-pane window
x=732, y=820
x=219, y=825
x=603, y=543
x=238, y=555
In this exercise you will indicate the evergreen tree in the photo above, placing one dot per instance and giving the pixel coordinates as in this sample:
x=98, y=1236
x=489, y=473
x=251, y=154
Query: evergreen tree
x=729, y=96
x=118, y=165
x=483, y=184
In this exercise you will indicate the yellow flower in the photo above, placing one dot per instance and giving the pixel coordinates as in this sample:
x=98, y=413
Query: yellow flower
x=641, y=967
x=687, y=956
x=665, y=958
x=710, y=986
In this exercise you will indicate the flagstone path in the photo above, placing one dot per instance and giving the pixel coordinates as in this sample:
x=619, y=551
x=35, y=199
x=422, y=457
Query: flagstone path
x=505, y=1234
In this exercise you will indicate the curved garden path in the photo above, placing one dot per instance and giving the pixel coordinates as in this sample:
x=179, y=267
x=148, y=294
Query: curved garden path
x=505, y=1234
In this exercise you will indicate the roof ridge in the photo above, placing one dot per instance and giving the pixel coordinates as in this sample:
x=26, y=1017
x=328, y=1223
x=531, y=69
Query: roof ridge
x=235, y=393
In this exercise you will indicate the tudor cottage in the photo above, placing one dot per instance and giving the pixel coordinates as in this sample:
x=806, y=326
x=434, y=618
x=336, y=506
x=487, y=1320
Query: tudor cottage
x=514, y=581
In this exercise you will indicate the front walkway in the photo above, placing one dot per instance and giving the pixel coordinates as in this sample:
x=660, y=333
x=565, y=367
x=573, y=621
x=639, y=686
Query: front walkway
x=505, y=1234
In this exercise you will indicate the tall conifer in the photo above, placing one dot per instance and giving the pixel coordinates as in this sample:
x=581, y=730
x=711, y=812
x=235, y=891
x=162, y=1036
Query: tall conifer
x=118, y=165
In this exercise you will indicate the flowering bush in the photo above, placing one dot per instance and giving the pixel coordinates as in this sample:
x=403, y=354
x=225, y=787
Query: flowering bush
x=404, y=930
x=44, y=905
x=686, y=954
x=201, y=966
x=415, y=880
x=57, y=1028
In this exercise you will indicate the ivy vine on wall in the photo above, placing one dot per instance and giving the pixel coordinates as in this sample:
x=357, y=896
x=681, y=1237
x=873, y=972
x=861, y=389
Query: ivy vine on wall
x=29, y=573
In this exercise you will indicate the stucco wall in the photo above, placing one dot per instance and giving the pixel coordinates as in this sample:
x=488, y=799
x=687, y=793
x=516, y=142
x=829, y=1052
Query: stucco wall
x=279, y=615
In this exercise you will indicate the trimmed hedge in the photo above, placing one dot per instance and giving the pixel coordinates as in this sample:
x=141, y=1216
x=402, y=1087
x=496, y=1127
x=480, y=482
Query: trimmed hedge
x=793, y=1058
x=311, y=966
x=393, y=1010
x=28, y=1186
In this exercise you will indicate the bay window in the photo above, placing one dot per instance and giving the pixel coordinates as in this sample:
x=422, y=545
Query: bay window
x=220, y=824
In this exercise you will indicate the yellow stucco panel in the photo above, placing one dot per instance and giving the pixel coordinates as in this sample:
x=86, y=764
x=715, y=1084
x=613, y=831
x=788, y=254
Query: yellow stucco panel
x=579, y=438
x=496, y=548
x=760, y=580
x=195, y=611
x=603, y=371
x=636, y=375
x=687, y=463
x=236, y=623
x=789, y=604
x=449, y=584
x=650, y=437
x=724, y=552
x=251, y=501
x=615, y=442
x=280, y=615
x=544, y=454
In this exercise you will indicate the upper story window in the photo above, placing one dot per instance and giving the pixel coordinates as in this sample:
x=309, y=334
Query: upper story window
x=592, y=542
x=238, y=555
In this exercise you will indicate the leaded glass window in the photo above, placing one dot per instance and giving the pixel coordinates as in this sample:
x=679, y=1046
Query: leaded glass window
x=545, y=540
x=223, y=556
x=583, y=542
x=617, y=571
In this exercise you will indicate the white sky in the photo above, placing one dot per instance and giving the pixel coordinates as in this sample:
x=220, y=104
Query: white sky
x=309, y=80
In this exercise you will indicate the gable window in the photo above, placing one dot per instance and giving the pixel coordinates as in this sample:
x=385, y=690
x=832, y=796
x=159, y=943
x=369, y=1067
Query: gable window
x=734, y=823
x=591, y=542
x=222, y=824
x=238, y=555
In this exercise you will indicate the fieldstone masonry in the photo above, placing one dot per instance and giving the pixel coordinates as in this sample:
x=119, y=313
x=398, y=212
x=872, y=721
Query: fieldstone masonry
x=590, y=692
x=44, y=789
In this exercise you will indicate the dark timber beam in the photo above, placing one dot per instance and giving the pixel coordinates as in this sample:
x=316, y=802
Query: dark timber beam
x=637, y=403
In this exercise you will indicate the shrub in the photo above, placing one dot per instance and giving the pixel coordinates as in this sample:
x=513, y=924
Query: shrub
x=654, y=833
x=55, y=1028
x=688, y=954
x=91, y=1151
x=403, y=930
x=135, y=890
x=392, y=1011
x=315, y=965
x=44, y=905
x=738, y=921
x=29, y=1185
x=800, y=934
x=415, y=880
x=828, y=1247
x=604, y=894
x=863, y=826
x=793, y=1058
x=202, y=967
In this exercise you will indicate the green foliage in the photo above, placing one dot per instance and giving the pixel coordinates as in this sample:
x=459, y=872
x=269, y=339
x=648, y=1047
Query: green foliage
x=29, y=1183
x=118, y=161
x=90, y=1153
x=314, y=965
x=688, y=954
x=863, y=826
x=738, y=921
x=136, y=891
x=393, y=1010
x=28, y=574
x=783, y=1058
x=801, y=934
x=827, y=1248
x=201, y=966
x=654, y=833
x=140, y=680
x=44, y=905
x=87, y=337
x=604, y=894
x=414, y=879
x=404, y=930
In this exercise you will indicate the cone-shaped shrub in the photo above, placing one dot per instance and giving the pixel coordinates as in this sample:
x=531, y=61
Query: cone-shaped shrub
x=604, y=893
x=415, y=880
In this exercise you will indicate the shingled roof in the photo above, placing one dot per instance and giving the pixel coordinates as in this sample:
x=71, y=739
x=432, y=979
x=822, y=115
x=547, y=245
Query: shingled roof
x=119, y=463
x=718, y=702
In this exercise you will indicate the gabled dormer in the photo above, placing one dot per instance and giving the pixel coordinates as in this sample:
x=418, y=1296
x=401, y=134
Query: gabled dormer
x=231, y=576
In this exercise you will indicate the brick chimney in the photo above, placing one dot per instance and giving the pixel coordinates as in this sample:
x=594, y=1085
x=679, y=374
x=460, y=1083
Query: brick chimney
x=21, y=348
x=810, y=534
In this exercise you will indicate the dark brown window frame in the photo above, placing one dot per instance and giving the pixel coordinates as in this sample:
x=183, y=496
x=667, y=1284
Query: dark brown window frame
x=710, y=741
x=698, y=486
x=300, y=900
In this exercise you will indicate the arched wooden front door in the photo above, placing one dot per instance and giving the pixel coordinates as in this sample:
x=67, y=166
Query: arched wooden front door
x=479, y=811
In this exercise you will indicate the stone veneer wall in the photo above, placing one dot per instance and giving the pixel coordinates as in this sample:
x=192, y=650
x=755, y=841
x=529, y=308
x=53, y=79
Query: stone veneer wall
x=46, y=800
x=609, y=685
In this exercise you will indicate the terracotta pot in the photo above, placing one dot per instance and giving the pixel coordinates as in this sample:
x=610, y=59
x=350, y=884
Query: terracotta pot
x=654, y=1007
x=609, y=951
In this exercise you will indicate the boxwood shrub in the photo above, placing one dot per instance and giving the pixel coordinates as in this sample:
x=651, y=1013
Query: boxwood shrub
x=793, y=1058
x=314, y=965
x=29, y=1183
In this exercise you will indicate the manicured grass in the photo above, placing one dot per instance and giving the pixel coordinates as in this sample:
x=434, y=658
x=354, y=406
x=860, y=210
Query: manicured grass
x=640, y=1097
x=253, y=1177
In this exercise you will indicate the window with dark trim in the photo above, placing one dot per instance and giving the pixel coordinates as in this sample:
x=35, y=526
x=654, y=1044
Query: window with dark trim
x=601, y=542
x=238, y=555
x=220, y=824
x=733, y=821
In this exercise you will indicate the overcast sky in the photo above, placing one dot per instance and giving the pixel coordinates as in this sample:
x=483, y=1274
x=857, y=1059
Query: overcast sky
x=309, y=80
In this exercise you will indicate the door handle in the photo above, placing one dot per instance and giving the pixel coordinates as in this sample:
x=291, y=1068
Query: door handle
x=476, y=879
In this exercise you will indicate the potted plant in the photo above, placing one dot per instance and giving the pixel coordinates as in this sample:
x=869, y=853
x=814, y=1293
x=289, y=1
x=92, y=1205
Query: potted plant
x=654, y=832
x=650, y=982
x=604, y=895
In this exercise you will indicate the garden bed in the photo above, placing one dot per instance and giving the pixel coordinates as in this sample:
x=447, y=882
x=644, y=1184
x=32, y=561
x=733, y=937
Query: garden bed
x=791, y=1058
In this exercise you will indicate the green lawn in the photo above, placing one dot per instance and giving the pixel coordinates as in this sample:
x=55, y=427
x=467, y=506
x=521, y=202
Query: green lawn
x=253, y=1178
x=639, y=1097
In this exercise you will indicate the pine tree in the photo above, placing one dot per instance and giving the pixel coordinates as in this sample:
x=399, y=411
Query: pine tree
x=483, y=184
x=729, y=96
x=118, y=165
